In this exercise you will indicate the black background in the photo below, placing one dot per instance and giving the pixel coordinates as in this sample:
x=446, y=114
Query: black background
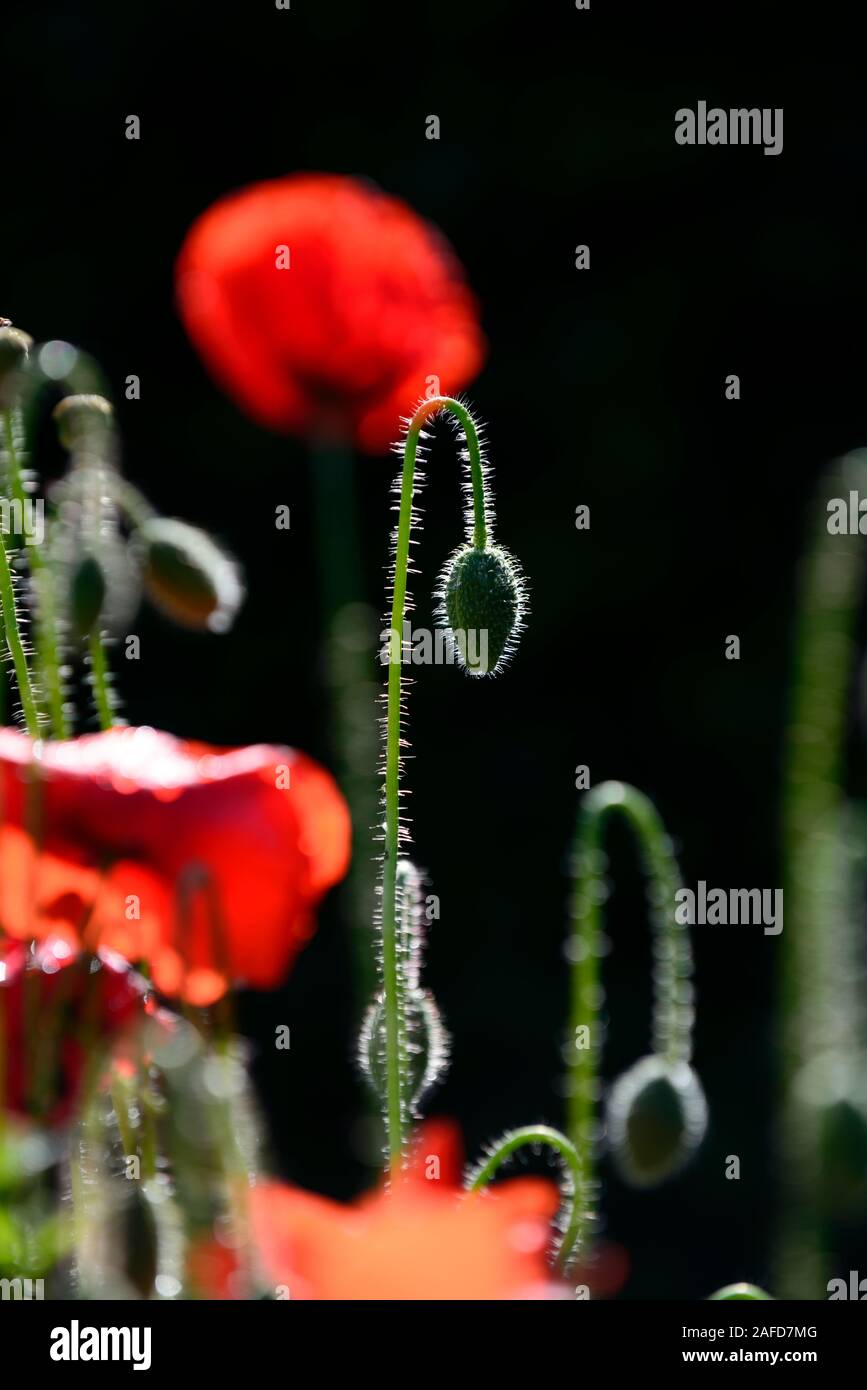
x=604, y=387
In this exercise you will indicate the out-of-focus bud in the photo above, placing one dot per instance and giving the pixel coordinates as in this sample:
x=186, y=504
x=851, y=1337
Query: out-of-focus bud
x=187, y=575
x=657, y=1117
x=87, y=592
x=14, y=351
x=82, y=420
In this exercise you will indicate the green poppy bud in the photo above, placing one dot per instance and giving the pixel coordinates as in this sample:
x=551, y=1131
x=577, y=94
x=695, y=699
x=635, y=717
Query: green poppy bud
x=14, y=351
x=426, y=1048
x=87, y=592
x=657, y=1116
x=82, y=420
x=482, y=603
x=187, y=575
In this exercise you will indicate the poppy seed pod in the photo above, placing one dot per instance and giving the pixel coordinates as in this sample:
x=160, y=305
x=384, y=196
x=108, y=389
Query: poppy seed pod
x=482, y=602
x=187, y=575
x=657, y=1116
x=81, y=420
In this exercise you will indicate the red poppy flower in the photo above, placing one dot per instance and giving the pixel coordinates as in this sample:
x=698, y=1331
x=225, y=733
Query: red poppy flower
x=321, y=304
x=425, y=1238
x=204, y=863
x=76, y=1002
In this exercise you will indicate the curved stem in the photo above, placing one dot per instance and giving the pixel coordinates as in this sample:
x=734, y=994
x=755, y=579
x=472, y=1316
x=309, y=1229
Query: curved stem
x=672, y=1004
x=573, y=1192
x=396, y=1119
x=48, y=653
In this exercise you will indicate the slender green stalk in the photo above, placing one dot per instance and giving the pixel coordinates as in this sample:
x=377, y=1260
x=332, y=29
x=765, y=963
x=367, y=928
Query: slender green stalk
x=47, y=646
x=573, y=1189
x=672, y=1004
x=120, y=1099
x=15, y=645
x=99, y=680
x=350, y=627
x=813, y=796
x=396, y=1118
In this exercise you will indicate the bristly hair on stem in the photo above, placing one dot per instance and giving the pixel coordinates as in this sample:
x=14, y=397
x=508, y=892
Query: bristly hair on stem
x=656, y=1110
x=572, y=1221
x=422, y=1038
x=481, y=598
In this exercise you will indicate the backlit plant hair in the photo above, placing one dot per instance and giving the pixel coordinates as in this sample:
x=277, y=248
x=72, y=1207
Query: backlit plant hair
x=656, y=1110
x=403, y=1047
x=103, y=541
x=480, y=582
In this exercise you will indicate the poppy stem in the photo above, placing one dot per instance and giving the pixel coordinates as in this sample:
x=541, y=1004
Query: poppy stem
x=16, y=647
x=815, y=1012
x=573, y=1189
x=99, y=681
x=350, y=625
x=672, y=1001
x=395, y=1109
x=47, y=646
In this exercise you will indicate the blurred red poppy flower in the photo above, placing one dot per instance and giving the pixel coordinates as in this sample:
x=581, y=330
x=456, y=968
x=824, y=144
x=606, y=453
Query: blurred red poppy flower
x=206, y=864
x=322, y=305
x=425, y=1238
x=76, y=1002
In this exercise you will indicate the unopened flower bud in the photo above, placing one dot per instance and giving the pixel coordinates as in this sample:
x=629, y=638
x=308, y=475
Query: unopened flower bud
x=482, y=601
x=86, y=594
x=14, y=351
x=81, y=420
x=657, y=1116
x=187, y=575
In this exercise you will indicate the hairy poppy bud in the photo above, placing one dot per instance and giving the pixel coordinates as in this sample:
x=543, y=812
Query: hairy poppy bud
x=14, y=350
x=657, y=1115
x=82, y=419
x=425, y=1051
x=482, y=601
x=187, y=575
x=86, y=594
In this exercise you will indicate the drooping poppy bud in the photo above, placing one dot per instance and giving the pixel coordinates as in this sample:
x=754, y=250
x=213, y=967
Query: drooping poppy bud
x=423, y=1041
x=657, y=1116
x=86, y=594
x=14, y=351
x=188, y=576
x=482, y=603
x=82, y=420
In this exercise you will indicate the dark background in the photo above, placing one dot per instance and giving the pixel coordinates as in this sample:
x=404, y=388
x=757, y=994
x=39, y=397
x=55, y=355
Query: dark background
x=604, y=387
